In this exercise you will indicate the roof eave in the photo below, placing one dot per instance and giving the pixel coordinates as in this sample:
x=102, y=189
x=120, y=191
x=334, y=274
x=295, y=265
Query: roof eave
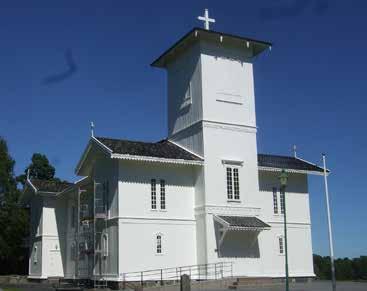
x=279, y=169
x=156, y=159
x=160, y=61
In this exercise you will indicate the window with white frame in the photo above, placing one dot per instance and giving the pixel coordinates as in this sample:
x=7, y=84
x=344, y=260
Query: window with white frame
x=233, y=183
x=159, y=244
x=275, y=200
x=153, y=190
x=163, y=194
x=282, y=202
x=281, y=245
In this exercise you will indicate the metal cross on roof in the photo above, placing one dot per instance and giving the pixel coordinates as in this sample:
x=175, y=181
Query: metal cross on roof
x=206, y=19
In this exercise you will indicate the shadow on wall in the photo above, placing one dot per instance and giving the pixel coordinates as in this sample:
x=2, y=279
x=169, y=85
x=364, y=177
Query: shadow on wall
x=237, y=244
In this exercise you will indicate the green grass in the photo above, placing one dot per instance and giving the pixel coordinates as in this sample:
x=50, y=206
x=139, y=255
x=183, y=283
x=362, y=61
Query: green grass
x=12, y=289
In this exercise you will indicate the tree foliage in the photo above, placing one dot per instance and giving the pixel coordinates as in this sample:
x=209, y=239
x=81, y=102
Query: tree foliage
x=13, y=219
x=345, y=269
x=40, y=168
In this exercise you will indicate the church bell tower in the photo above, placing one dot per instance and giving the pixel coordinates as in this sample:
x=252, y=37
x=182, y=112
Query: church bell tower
x=211, y=112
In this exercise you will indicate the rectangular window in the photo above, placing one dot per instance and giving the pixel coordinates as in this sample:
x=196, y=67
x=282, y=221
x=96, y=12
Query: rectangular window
x=159, y=244
x=281, y=245
x=233, y=183
x=275, y=200
x=282, y=202
x=163, y=194
x=236, y=184
x=153, y=187
x=229, y=184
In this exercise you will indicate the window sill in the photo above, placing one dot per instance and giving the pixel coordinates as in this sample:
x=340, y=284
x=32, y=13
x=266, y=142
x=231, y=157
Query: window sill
x=159, y=255
x=154, y=210
x=233, y=201
x=163, y=210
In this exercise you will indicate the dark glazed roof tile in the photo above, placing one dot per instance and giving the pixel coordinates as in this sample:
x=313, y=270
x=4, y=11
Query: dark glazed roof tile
x=244, y=221
x=162, y=149
x=50, y=186
x=283, y=162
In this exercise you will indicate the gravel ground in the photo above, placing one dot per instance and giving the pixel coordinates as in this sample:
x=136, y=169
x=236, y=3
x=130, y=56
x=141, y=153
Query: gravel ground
x=312, y=286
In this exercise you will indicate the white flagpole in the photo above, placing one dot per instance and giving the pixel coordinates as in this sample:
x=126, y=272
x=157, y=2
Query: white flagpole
x=329, y=225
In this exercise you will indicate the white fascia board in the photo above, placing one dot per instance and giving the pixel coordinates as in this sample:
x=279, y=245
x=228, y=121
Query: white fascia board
x=33, y=187
x=101, y=144
x=155, y=159
x=224, y=223
x=88, y=148
x=182, y=147
x=272, y=169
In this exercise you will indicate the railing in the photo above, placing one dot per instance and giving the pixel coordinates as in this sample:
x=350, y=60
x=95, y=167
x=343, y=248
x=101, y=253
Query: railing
x=212, y=271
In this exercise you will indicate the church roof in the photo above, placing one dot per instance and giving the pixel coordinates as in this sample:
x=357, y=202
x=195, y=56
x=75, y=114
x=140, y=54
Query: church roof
x=196, y=34
x=162, y=149
x=50, y=186
x=287, y=163
x=243, y=222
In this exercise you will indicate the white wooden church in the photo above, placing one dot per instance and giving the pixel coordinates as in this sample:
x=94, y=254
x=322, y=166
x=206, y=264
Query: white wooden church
x=201, y=196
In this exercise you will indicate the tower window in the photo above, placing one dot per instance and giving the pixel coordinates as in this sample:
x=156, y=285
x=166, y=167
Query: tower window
x=233, y=183
x=275, y=200
x=188, y=96
x=153, y=190
x=163, y=194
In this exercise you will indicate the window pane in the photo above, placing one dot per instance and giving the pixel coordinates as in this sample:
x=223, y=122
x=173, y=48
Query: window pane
x=236, y=184
x=275, y=200
x=281, y=247
x=229, y=183
x=163, y=194
x=153, y=194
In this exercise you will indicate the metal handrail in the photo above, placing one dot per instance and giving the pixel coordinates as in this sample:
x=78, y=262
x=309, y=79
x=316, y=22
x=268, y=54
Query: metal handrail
x=213, y=271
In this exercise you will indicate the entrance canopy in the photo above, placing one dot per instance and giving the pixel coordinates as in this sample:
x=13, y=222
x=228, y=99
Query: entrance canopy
x=248, y=223
x=243, y=241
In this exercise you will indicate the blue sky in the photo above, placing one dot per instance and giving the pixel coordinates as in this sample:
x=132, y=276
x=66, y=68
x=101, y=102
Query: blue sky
x=310, y=89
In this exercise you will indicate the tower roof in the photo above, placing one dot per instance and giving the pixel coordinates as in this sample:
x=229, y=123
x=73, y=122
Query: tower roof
x=196, y=34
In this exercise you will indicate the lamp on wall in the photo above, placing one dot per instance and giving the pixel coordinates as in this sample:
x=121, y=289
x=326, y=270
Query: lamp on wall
x=283, y=179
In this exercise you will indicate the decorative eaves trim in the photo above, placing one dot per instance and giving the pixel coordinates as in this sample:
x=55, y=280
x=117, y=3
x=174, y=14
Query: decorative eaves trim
x=272, y=169
x=155, y=159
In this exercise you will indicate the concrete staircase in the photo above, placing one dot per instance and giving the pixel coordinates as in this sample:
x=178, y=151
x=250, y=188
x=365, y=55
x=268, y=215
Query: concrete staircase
x=253, y=281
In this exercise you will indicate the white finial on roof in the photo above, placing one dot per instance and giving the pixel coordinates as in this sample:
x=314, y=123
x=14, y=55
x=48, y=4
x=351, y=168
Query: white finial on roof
x=92, y=128
x=206, y=19
x=295, y=151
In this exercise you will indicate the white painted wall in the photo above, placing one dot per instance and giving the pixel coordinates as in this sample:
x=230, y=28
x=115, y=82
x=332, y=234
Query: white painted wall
x=298, y=225
x=139, y=224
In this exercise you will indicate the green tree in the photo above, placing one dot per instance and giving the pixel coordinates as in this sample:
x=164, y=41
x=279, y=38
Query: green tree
x=40, y=168
x=13, y=219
